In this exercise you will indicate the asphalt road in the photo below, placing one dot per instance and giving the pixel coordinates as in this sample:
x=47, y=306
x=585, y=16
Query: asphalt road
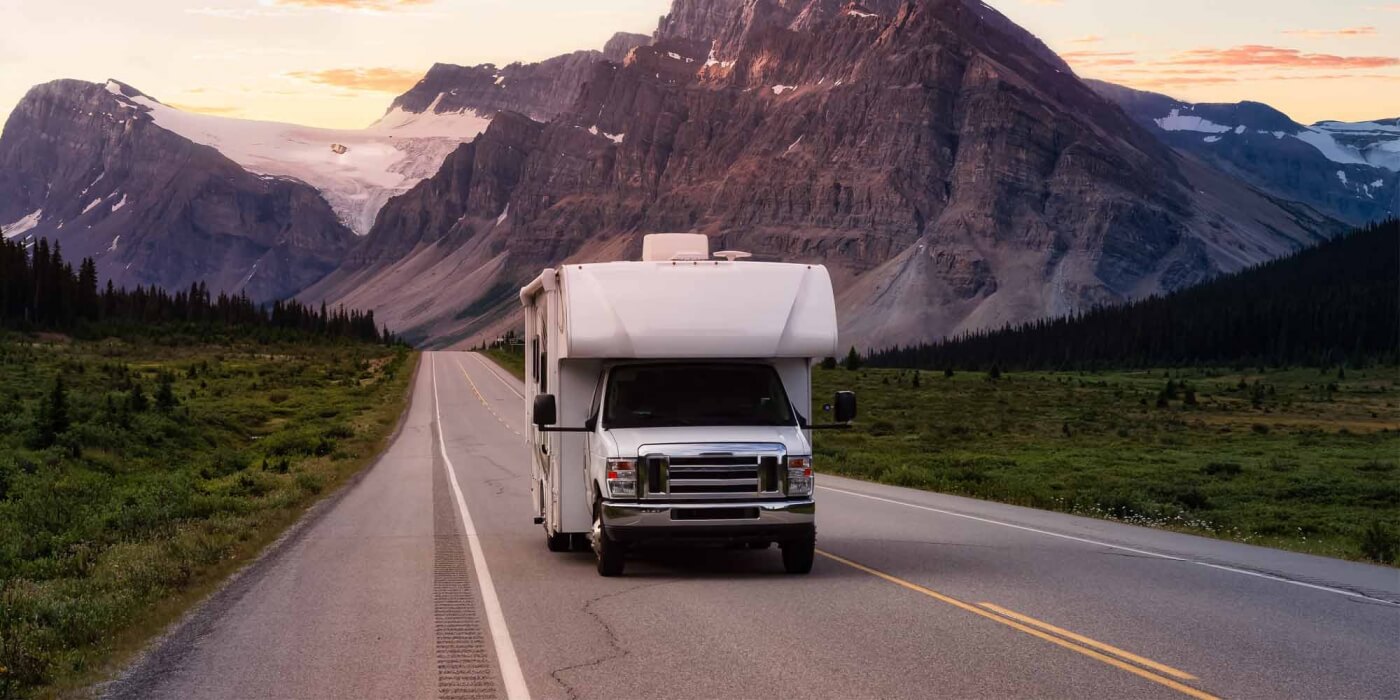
x=388, y=591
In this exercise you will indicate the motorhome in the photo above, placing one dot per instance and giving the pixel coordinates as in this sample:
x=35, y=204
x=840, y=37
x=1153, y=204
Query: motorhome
x=670, y=400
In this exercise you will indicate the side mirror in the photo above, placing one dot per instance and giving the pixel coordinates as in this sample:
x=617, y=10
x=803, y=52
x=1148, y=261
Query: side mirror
x=845, y=402
x=545, y=412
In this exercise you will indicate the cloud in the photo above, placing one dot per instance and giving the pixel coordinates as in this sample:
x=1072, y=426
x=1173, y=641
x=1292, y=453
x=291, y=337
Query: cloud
x=1100, y=58
x=393, y=80
x=301, y=8
x=1348, y=32
x=1256, y=55
x=355, y=4
x=1069, y=55
x=1185, y=80
x=1091, y=39
x=222, y=110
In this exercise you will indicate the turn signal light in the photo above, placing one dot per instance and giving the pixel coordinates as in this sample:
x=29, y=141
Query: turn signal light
x=799, y=475
x=622, y=478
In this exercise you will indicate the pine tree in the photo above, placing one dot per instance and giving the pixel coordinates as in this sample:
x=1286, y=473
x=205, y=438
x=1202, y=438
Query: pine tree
x=52, y=418
x=165, y=393
x=853, y=360
x=136, y=400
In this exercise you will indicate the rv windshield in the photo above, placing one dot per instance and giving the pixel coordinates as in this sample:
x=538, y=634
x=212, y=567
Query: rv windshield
x=670, y=395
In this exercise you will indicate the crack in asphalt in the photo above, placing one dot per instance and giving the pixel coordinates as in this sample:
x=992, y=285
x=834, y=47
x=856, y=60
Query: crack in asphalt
x=496, y=484
x=618, y=651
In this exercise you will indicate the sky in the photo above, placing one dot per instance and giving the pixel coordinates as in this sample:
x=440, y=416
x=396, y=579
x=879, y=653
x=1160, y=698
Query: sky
x=338, y=63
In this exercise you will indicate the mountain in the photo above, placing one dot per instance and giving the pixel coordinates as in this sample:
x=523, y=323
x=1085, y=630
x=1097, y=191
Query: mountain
x=90, y=166
x=540, y=90
x=163, y=196
x=1350, y=171
x=358, y=170
x=1331, y=304
x=950, y=170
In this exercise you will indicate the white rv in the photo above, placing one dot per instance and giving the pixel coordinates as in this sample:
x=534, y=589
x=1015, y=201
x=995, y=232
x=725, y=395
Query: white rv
x=670, y=400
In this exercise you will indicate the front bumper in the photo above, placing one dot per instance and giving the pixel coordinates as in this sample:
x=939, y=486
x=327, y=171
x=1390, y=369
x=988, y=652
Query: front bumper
x=724, y=521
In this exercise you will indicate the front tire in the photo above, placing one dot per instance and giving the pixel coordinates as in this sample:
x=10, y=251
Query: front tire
x=611, y=554
x=799, y=554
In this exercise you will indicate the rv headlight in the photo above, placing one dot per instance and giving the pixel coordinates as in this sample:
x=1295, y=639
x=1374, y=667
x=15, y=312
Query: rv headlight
x=799, y=476
x=622, y=478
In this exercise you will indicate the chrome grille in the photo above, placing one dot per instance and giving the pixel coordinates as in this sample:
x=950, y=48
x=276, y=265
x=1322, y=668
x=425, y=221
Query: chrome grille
x=712, y=471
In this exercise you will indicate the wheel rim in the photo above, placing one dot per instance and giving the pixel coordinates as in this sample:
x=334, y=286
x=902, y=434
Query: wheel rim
x=596, y=536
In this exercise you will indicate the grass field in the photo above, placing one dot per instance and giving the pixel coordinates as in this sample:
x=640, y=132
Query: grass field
x=1301, y=459
x=161, y=470
x=512, y=361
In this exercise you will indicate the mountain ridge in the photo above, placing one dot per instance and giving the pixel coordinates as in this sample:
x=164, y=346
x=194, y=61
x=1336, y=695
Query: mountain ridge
x=1346, y=170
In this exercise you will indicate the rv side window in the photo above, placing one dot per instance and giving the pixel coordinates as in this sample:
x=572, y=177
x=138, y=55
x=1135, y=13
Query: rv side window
x=535, y=358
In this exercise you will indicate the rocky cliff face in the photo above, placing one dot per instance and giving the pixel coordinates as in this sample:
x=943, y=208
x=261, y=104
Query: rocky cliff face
x=951, y=172
x=86, y=165
x=1346, y=170
x=540, y=90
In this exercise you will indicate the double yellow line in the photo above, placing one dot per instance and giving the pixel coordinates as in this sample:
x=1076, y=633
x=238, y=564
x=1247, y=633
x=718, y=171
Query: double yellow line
x=483, y=400
x=1113, y=656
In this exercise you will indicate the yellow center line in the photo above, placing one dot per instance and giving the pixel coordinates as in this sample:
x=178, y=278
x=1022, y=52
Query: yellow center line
x=483, y=401
x=1126, y=655
x=1104, y=658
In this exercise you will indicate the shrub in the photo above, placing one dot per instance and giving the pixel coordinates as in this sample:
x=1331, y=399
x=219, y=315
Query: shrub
x=1225, y=469
x=309, y=483
x=1379, y=543
x=223, y=462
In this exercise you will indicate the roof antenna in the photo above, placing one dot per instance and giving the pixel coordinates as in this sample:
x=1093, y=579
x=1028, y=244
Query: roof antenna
x=732, y=255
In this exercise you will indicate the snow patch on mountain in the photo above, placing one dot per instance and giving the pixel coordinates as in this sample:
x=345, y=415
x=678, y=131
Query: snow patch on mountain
x=22, y=226
x=1347, y=143
x=615, y=138
x=1328, y=146
x=357, y=171
x=1176, y=121
x=1375, y=143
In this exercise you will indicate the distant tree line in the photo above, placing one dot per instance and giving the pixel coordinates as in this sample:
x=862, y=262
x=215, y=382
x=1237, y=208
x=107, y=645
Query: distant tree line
x=42, y=292
x=1336, y=303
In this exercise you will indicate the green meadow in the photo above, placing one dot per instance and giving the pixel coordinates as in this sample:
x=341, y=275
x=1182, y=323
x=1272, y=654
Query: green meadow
x=1302, y=459
x=136, y=474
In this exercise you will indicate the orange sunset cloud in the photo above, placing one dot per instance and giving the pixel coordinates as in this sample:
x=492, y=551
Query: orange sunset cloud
x=392, y=80
x=1256, y=55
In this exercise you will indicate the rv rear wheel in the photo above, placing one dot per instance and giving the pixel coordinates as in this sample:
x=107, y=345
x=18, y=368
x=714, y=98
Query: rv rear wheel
x=798, y=555
x=610, y=553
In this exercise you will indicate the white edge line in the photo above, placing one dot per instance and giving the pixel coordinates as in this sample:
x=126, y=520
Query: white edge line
x=511, y=675
x=493, y=371
x=1158, y=555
